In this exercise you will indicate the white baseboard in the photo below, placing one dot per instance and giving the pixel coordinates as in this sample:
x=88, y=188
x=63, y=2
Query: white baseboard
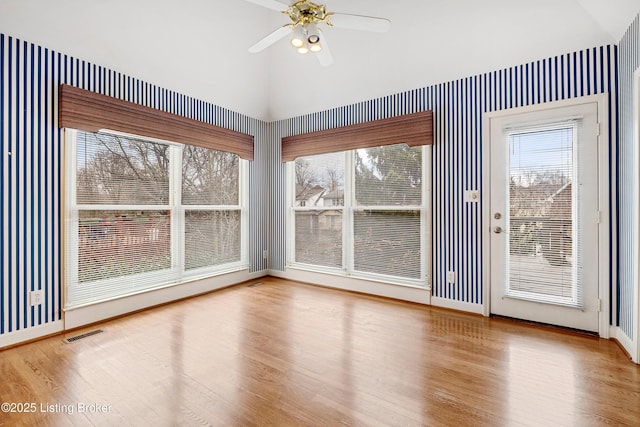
x=457, y=305
x=626, y=342
x=76, y=317
x=405, y=293
x=73, y=318
x=29, y=334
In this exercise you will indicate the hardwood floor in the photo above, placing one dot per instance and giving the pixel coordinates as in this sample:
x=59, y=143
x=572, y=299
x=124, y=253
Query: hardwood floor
x=284, y=353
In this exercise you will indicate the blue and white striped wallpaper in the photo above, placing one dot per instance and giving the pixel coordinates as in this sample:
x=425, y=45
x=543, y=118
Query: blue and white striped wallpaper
x=30, y=175
x=627, y=154
x=458, y=108
x=31, y=180
x=31, y=169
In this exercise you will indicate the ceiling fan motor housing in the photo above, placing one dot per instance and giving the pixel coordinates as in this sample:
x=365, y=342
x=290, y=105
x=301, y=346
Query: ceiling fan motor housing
x=306, y=19
x=304, y=12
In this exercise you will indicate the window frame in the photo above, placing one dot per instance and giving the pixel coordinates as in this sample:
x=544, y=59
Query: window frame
x=175, y=275
x=348, y=211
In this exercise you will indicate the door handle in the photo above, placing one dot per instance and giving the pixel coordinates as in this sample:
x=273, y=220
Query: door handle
x=497, y=230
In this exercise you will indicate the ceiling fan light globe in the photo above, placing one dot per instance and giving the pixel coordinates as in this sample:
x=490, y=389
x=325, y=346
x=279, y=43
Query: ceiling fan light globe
x=316, y=47
x=313, y=34
x=298, y=38
x=303, y=50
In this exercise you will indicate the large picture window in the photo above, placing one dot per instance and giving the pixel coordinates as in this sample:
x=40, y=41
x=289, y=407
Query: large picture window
x=362, y=213
x=143, y=214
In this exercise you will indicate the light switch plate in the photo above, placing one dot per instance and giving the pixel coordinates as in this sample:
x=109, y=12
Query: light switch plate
x=472, y=196
x=35, y=298
x=451, y=277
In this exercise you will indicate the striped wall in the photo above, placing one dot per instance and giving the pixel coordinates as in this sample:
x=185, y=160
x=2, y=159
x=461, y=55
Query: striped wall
x=30, y=174
x=31, y=169
x=457, y=153
x=628, y=154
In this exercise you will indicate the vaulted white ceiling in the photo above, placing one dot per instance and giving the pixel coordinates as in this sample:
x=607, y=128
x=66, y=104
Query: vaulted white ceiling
x=199, y=47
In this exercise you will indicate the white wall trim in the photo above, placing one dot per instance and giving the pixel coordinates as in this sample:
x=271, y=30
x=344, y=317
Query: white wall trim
x=603, y=188
x=92, y=313
x=76, y=317
x=604, y=267
x=635, y=348
x=457, y=305
x=29, y=334
x=625, y=341
x=405, y=293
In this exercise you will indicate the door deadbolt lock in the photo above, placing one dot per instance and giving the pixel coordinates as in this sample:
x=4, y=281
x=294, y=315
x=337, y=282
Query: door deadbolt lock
x=497, y=215
x=497, y=230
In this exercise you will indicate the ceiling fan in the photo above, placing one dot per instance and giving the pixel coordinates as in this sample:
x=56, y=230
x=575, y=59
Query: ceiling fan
x=308, y=20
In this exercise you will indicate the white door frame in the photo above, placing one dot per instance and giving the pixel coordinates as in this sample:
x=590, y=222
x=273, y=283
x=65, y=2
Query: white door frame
x=635, y=350
x=603, y=198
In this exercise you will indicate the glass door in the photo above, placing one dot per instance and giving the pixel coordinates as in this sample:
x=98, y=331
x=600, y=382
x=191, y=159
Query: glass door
x=544, y=207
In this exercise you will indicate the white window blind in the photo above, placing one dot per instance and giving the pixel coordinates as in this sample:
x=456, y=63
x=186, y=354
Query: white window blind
x=362, y=211
x=113, y=170
x=388, y=203
x=544, y=246
x=210, y=193
x=143, y=214
x=319, y=209
x=210, y=178
x=212, y=238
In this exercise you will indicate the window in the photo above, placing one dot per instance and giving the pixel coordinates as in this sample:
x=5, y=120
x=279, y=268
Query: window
x=542, y=216
x=319, y=182
x=362, y=213
x=143, y=214
x=211, y=199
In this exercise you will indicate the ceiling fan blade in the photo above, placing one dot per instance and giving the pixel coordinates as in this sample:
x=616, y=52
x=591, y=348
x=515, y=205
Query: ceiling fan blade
x=324, y=56
x=271, y=4
x=271, y=38
x=359, y=22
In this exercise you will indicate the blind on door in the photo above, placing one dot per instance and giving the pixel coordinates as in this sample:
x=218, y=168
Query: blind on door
x=543, y=240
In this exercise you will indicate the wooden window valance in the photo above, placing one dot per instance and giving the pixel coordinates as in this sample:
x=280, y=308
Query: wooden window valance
x=411, y=129
x=89, y=111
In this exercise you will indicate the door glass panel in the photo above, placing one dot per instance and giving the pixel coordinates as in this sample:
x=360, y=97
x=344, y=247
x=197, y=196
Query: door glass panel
x=542, y=244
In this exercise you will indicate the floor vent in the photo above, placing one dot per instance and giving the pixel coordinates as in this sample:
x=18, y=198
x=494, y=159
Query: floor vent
x=253, y=285
x=79, y=337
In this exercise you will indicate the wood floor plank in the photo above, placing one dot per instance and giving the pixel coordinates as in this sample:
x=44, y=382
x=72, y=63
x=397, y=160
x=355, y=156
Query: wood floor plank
x=289, y=354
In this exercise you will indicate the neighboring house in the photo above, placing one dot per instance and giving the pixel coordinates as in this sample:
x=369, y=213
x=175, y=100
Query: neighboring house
x=309, y=196
x=331, y=219
x=556, y=235
x=333, y=198
x=321, y=219
x=541, y=221
x=560, y=202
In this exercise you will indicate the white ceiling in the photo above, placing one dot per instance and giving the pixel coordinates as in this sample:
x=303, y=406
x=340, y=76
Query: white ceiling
x=199, y=47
